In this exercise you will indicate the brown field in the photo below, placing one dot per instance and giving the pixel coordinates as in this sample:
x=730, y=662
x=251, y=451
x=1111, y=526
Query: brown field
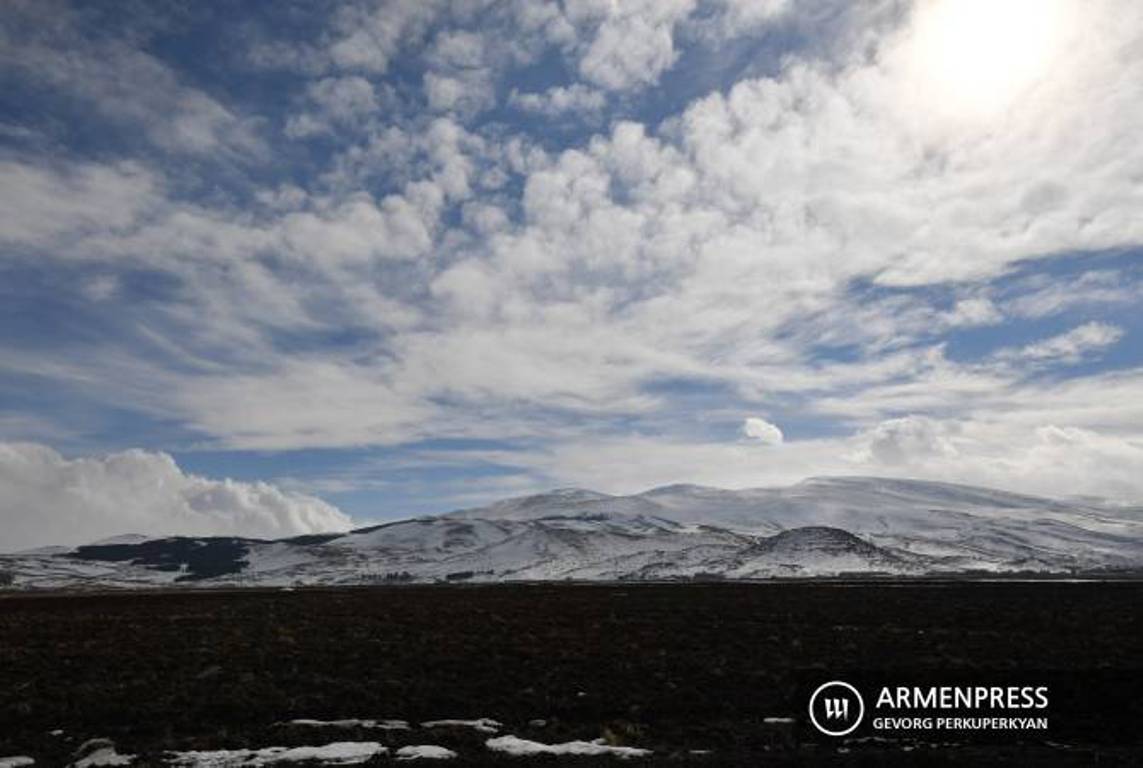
x=672, y=668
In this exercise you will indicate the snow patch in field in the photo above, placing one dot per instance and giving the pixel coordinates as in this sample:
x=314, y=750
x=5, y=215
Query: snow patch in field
x=94, y=753
x=385, y=725
x=16, y=761
x=104, y=756
x=337, y=753
x=516, y=746
x=425, y=751
x=482, y=724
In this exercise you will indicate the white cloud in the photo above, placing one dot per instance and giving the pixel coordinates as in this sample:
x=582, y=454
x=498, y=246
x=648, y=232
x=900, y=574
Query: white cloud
x=761, y=430
x=360, y=230
x=368, y=35
x=906, y=441
x=39, y=205
x=48, y=499
x=725, y=246
x=1070, y=347
x=739, y=16
x=335, y=101
x=1042, y=459
x=973, y=312
x=1046, y=460
x=466, y=92
x=630, y=43
x=123, y=83
x=578, y=98
x=1041, y=297
x=302, y=402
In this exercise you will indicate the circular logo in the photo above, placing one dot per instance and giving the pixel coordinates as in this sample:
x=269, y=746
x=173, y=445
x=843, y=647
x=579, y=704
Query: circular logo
x=836, y=708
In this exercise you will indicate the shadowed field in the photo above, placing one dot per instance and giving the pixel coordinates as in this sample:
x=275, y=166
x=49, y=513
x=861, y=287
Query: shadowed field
x=672, y=668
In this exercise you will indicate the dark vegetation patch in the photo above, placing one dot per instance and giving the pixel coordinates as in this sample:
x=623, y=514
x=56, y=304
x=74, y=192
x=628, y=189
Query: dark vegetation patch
x=201, y=558
x=673, y=668
x=310, y=539
x=816, y=539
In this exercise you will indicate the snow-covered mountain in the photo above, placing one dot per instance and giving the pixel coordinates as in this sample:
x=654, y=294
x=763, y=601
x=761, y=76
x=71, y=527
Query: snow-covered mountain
x=820, y=527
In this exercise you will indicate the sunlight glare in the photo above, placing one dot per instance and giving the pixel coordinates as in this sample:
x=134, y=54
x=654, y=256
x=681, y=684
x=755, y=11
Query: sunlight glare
x=977, y=56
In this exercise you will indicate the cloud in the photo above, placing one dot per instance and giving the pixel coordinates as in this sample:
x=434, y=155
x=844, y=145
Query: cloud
x=48, y=499
x=124, y=84
x=907, y=440
x=468, y=92
x=1037, y=458
x=973, y=312
x=39, y=204
x=1071, y=347
x=632, y=42
x=366, y=36
x=1045, y=459
x=762, y=431
x=579, y=99
x=801, y=241
x=1037, y=297
x=335, y=101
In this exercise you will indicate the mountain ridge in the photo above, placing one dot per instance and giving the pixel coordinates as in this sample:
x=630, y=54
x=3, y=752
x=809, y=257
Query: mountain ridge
x=819, y=527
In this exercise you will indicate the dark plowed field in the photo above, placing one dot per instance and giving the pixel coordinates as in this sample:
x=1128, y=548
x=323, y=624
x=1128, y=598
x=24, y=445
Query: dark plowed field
x=672, y=668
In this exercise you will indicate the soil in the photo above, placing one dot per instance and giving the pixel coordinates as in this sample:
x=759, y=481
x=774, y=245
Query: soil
x=702, y=674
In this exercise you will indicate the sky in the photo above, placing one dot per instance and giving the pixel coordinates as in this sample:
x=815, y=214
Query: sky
x=278, y=267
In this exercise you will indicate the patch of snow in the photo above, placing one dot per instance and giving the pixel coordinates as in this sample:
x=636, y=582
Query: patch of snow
x=16, y=761
x=425, y=751
x=103, y=756
x=385, y=725
x=337, y=753
x=482, y=724
x=521, y=747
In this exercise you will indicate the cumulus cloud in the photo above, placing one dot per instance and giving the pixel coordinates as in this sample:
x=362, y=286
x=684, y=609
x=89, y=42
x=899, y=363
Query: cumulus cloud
x=367, y=36
x=906, y=441
x=335, y=101
x=48, y=499
x=761, y=430
x=630, y=43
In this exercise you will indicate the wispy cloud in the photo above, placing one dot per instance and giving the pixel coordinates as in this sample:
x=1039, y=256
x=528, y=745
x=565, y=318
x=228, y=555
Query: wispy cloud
x=1070, y=347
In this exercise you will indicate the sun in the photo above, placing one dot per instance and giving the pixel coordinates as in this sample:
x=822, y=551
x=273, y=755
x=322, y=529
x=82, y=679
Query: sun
x=975, y=57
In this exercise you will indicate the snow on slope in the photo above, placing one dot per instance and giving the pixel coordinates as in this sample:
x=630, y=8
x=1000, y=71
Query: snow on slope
x=823, y=526
x=973, y=526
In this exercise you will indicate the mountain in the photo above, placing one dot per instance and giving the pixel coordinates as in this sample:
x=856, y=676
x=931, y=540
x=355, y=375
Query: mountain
x=820, y=527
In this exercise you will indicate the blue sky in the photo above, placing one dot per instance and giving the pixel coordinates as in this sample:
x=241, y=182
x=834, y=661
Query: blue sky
x=293, y=263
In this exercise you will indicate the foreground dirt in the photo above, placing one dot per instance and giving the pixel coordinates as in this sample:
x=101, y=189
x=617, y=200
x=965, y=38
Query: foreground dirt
x=672, y=668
